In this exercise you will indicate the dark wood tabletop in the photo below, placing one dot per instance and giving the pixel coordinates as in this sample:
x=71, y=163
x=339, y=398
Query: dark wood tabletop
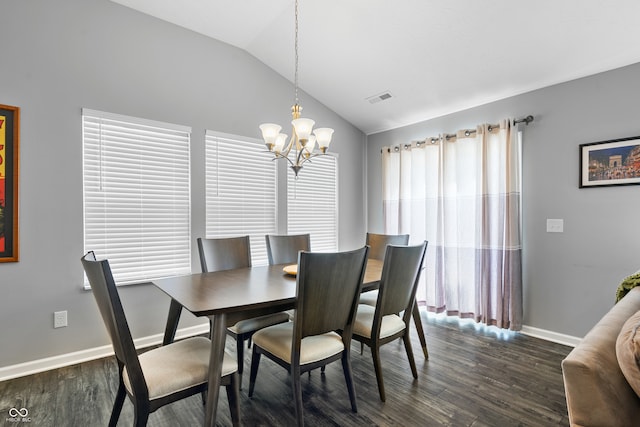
x=243, y=289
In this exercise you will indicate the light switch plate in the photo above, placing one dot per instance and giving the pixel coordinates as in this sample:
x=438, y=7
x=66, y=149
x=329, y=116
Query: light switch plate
x=555, y=225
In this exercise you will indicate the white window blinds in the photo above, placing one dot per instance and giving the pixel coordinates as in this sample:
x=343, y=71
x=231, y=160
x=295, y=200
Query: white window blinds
x=313, y=203
x=136, y=177
x=241, y=191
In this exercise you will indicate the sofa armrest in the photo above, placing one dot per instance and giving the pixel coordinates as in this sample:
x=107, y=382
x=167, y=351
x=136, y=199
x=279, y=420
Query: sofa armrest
x=596, y=390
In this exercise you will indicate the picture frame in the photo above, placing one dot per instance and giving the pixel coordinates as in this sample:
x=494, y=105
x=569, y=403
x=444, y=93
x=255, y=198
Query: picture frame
x=9, y=168
x=610, y=163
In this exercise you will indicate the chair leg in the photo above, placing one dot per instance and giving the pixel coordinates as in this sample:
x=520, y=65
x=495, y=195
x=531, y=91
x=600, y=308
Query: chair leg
x=297, y=394
x=255, y=362
x=233, y=396
x=117, y=405
x=240, y=354
x=348, y=377
x=417, y=320
x=141, y=416
x=407, y=347
x=375, y=354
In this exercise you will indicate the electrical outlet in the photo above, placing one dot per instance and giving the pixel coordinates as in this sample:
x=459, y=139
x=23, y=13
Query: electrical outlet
x=60, y=319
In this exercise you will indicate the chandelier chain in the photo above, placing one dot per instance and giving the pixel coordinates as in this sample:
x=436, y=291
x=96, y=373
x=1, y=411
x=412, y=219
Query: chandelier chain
x=296, y=53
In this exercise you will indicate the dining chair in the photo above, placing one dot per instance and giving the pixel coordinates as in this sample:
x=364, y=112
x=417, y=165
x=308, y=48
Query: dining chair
x=378, y=244
x=283, y=249
x=318, y=335
x=159, y=376
x=229, y=253
x=379, y=325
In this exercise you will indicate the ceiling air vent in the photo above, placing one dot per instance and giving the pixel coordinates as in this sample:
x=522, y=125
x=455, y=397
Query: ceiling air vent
x=379, y=97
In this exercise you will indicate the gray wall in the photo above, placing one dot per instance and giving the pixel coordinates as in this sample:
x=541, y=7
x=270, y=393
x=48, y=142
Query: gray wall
x=570, y=279
x=57, y=57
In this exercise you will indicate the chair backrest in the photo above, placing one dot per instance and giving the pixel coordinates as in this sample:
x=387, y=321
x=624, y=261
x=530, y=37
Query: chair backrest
x=399, y=279
x=284, y=249
x=224, y=253
x=379, y=242
x=106, y=294
x=328, y=290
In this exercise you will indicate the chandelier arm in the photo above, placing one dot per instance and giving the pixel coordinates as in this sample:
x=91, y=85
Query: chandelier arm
x=299, y=156
x=280, y=156
x=289, y=145
x=312, y=156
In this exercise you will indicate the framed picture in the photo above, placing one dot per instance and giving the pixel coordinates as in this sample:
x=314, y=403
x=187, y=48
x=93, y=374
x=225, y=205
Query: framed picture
x=607, y=163
x=9, y=143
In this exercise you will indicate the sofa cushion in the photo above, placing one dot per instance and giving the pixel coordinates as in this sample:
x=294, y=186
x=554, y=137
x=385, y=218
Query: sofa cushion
x=628, y=351
x=597, y=392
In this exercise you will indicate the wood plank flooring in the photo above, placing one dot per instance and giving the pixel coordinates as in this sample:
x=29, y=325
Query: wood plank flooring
x=474, y=377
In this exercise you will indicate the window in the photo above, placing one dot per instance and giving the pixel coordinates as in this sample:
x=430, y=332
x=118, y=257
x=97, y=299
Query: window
x=313, y=202
x=136, y=183
x=241, y=188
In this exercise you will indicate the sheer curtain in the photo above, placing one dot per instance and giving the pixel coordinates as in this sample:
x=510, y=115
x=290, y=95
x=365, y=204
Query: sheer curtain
x=462, y=193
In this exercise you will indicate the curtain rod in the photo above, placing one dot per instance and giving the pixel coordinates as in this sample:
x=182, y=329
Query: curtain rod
x=526, y=120
x=467, y=132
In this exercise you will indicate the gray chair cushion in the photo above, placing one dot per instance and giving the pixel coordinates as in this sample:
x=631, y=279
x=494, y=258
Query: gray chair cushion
x=178, y=366
x=256, y=323
x=369, y=298
x=391, y=323
x=277, y=340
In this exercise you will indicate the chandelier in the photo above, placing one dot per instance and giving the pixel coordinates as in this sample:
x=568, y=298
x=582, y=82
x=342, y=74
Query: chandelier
x=302, y=143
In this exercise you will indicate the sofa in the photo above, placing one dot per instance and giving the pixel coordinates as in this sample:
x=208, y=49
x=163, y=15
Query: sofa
x=598, y=392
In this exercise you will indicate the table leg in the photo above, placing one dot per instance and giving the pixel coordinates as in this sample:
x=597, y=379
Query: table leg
x=418, y=322
x=218, y=337
x=172, y=322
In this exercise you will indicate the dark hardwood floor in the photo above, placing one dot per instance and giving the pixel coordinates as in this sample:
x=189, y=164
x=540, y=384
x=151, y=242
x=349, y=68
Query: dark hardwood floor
x=474, y=377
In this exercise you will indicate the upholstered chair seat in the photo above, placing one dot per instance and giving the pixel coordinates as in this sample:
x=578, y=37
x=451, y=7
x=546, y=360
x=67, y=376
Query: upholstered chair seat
x=177, y=367
x=277, y=340
x=391, y=323
x=369, y=298
x=251, y=325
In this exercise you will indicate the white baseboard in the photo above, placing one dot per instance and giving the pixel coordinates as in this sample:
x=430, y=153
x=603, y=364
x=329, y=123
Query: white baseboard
x=41, y=365
x=551, y=336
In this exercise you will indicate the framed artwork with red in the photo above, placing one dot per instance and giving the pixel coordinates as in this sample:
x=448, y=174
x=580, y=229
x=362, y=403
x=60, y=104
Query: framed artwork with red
x=9, y=144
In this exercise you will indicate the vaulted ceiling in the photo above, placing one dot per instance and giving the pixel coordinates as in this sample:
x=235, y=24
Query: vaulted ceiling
x=433, y=57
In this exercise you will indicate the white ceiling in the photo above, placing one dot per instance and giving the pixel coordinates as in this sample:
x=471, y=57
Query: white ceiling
x=434, y=56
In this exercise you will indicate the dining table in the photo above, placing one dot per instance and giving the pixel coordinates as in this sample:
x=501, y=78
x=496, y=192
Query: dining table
x=228, y=296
